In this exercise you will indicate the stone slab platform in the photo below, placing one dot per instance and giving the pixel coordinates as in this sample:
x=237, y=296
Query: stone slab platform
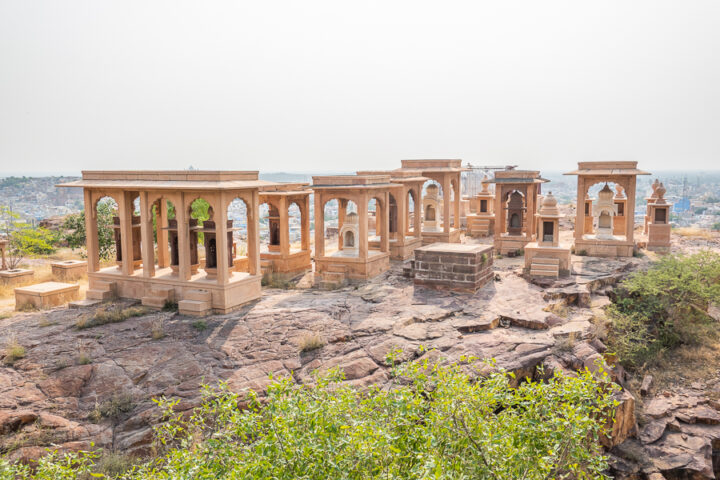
x=453, y=266
x=68, y=269
x=45, y=295
x=16, y=276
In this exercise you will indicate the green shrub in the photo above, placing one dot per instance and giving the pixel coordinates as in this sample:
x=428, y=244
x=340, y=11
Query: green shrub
x=664, y=307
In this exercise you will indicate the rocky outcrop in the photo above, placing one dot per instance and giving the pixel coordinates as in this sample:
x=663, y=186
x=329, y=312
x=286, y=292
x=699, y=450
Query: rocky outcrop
x=95, y=385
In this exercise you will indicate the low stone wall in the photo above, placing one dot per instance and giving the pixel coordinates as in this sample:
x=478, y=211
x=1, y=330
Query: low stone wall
x=452, y=266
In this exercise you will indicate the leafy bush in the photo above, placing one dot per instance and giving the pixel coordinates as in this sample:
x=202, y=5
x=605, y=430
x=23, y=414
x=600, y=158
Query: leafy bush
x=664, y=307
x=13, y=351
x=73, y=229
x=436, y=422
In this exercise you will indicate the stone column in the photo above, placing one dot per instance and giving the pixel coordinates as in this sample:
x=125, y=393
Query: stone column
x=456, y=201
x=161, y=220
x=91, y=232
x=580, y=209
x=417, y=212
x=363, y=226
x=146, y=232
x=342, y=211
x=630, y=191
x=305, y=223
x=125, y=210
x=253, y=217
x=385, y=238
x=530, y=199
x=402, y=211
x=319, y=225
x=183, y=219
x=221, y=240
x=500, y=222
x=284, y=226
x=446, y=188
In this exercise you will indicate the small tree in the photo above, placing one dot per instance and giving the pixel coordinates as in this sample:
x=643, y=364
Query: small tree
x=75, y=235
x=23, y=239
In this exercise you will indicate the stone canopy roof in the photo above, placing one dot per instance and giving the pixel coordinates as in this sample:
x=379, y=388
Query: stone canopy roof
x=607, y=169
x=169, y=180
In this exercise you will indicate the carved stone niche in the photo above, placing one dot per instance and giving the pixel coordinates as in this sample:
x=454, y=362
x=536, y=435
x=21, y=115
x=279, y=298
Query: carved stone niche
x=515, y=212
x=349, y=233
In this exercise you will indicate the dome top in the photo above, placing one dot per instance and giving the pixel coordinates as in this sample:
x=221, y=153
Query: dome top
x=660, y=193
x=549, y=207
x=351, y=217
x=485, y=182
x=605, y=193
x=619, y=191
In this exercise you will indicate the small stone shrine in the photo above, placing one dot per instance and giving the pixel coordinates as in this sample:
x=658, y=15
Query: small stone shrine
x=547, y=257
x=659, y=228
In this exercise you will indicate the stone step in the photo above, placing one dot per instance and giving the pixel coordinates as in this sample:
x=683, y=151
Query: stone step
x=548, y=268
x=102, y=295
x=104, y=285
x=544, y=273
x=198, y=295
x=154, y=302
x=195, y=308
x=546, y=261
x=84, y=303
x=163, y=291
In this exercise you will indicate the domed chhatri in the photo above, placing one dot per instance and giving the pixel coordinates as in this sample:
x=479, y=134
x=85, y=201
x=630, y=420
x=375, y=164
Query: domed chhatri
x=482, y=222
x=546, y=257
x=657, y=219
x=613, y=213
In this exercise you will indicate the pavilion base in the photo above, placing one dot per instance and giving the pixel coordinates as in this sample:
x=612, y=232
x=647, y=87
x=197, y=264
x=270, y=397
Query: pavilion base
x=399, y=250
x=659, y=237
x=439, y=236
x=544, y=261
x=480, y=225
x=511, y=244
x=241, y=288
x=286, y=265
x=594, y=247
x=335, y=270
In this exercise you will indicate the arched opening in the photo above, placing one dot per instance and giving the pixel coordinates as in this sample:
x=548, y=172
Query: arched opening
x=433, y=198
x=295, y=232
x=515, y=212
x=393, y=213
x=348, y=228
x=410, y=214
x=199, y=213
x=164, y=233
x=269, y=228
x=106, y=210
x=238, y=218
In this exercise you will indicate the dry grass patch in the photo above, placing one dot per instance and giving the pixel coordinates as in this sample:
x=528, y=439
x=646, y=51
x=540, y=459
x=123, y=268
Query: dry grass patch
x=310, y=342
x=13, y=351
x=157, y=329
x=693, y=232
x=112, y=408
x=110, y=315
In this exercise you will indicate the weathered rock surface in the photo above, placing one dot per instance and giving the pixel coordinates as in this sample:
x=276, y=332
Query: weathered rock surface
x=51, y=397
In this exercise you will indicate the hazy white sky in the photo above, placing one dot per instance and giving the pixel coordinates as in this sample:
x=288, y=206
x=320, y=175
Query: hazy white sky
x=335, y=85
